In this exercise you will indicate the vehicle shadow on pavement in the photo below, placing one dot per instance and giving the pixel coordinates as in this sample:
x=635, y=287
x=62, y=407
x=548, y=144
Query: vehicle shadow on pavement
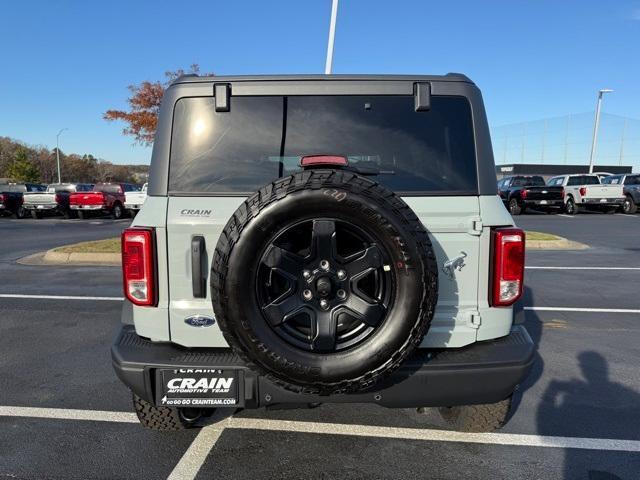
x=573, y=403
x=533, y=324
x=593, y=406
x=571, y=407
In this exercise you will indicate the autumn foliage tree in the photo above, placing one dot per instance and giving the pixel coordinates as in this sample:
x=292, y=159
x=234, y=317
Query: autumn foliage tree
x=144, y=105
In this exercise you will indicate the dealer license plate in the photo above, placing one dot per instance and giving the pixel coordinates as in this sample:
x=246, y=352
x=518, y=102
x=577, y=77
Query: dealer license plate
x=603, y=200
x=202, y=387
x=543, y=202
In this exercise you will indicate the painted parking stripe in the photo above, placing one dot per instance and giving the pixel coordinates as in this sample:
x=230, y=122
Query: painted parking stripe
x=426, y=434
x=60, y=297
x=68, y=414
x=580, y=309
x=580, y=268
x=566, y=216
x=195, y=456
x=119, y=299
x=433, y=435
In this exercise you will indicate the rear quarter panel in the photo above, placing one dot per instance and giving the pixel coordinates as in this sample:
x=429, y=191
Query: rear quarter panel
x=455, y=225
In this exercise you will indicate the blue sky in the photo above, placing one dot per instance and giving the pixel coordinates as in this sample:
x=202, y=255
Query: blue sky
x=65, y=63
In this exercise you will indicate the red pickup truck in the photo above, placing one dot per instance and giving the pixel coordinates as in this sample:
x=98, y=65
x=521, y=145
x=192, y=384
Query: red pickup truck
x=105, y=198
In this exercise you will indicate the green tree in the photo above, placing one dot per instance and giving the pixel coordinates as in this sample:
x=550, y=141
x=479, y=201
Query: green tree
x=21, y=169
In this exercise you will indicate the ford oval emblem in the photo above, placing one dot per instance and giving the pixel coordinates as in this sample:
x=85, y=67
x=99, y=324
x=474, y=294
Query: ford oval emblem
x=200, y=321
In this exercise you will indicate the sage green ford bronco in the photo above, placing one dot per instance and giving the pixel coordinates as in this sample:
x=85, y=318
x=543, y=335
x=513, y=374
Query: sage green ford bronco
x=322, y=239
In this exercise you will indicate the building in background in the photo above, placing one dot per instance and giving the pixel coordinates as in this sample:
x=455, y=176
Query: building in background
x=566, y=141
x=550, y=170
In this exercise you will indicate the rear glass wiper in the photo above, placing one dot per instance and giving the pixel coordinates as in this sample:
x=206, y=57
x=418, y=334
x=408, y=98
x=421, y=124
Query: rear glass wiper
x=368, y=170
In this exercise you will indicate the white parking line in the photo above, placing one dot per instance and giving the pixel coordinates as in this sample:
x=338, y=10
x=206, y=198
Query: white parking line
x=68, y=414
x=580, y=268
x=433, y=435
x=195, y=456
x=119, y=299
x=210, y=435
x=580, y=309
x=566, y=216
x=60, y=297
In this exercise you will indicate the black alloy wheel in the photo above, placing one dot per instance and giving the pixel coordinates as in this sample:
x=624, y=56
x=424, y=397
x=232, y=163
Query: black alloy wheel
x=324, y=285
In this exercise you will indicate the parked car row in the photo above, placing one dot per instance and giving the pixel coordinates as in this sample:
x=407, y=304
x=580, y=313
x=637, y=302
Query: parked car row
x=571, y=194
x=71, y=200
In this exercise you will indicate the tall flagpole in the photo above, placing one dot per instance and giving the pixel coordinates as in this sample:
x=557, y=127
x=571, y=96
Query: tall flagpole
x=332, y=36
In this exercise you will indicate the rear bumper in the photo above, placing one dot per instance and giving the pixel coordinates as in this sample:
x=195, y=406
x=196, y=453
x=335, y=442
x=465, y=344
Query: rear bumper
x=40, y=206
x=484, y=372
x=87, y=207
x=603, y=201
x=132, y=206
x=544, y=203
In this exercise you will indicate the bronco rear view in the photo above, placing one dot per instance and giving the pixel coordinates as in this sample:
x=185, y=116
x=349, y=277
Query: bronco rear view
x=322, y=239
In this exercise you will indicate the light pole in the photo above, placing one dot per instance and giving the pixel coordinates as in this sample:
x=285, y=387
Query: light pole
x=332, y=36
x=596, y=124
x=58, y=151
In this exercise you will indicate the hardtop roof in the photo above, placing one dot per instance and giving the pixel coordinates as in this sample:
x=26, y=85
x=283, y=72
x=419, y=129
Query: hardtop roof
x=449, y=77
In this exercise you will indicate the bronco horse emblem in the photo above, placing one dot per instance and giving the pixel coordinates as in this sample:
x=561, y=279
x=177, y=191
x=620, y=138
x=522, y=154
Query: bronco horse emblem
x=450, y=266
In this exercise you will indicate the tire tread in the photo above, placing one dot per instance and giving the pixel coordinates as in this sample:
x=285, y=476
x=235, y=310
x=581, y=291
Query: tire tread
x=317, y=179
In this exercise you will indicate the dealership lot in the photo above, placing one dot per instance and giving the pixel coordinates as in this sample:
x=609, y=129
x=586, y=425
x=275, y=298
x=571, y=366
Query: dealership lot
x=577, y=416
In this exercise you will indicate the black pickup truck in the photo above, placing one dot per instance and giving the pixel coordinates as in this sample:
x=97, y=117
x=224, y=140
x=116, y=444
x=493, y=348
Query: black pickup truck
x=11, y=197
x=521, y=192
x=631, y=183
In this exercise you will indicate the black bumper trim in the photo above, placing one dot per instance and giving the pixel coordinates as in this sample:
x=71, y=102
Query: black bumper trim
x=484, y=372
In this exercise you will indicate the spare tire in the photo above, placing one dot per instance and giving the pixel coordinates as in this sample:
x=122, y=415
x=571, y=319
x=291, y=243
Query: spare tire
x=324, y=281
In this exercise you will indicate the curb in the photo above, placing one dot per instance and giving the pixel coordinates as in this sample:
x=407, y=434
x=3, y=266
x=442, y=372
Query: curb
x=51, y=257
x=562, y=244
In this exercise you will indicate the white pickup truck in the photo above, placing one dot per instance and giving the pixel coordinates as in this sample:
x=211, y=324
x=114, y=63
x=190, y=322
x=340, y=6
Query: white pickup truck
x=585, y=192
x=134, y=200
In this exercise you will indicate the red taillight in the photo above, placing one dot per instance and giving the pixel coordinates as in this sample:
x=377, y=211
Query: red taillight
x=318, y=160
x=138, y=266
x=583, y=191
x=508, y=266
x=1, y=198
x=562, y=193
x=58, y=198
x=524, y=193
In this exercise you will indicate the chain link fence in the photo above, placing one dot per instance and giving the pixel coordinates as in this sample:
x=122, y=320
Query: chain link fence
x=567, y=141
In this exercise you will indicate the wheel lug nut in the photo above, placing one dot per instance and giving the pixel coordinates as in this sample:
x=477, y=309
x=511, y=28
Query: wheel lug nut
x=306, y=273
x=324, y=304
x=342, y=274
x=324, y=265
x=341, y=294
x=307, y=295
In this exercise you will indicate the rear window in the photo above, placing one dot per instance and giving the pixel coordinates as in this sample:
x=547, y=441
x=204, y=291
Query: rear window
x=632, y=180
x=263, y=138
x=528, y=182
x=107, y=188
x=21, y=187
x=584, y=180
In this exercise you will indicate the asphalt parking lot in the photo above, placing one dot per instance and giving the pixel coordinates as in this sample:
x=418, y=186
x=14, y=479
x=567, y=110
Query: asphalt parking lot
x=63, y=413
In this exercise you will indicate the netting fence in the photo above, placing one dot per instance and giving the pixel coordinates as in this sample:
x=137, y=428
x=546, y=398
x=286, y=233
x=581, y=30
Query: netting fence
x=567, y=140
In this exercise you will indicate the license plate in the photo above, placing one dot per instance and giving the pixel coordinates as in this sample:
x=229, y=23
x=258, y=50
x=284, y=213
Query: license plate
x=603, y=200
x=543, y=202
x=41, y=206
x=202, y=387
